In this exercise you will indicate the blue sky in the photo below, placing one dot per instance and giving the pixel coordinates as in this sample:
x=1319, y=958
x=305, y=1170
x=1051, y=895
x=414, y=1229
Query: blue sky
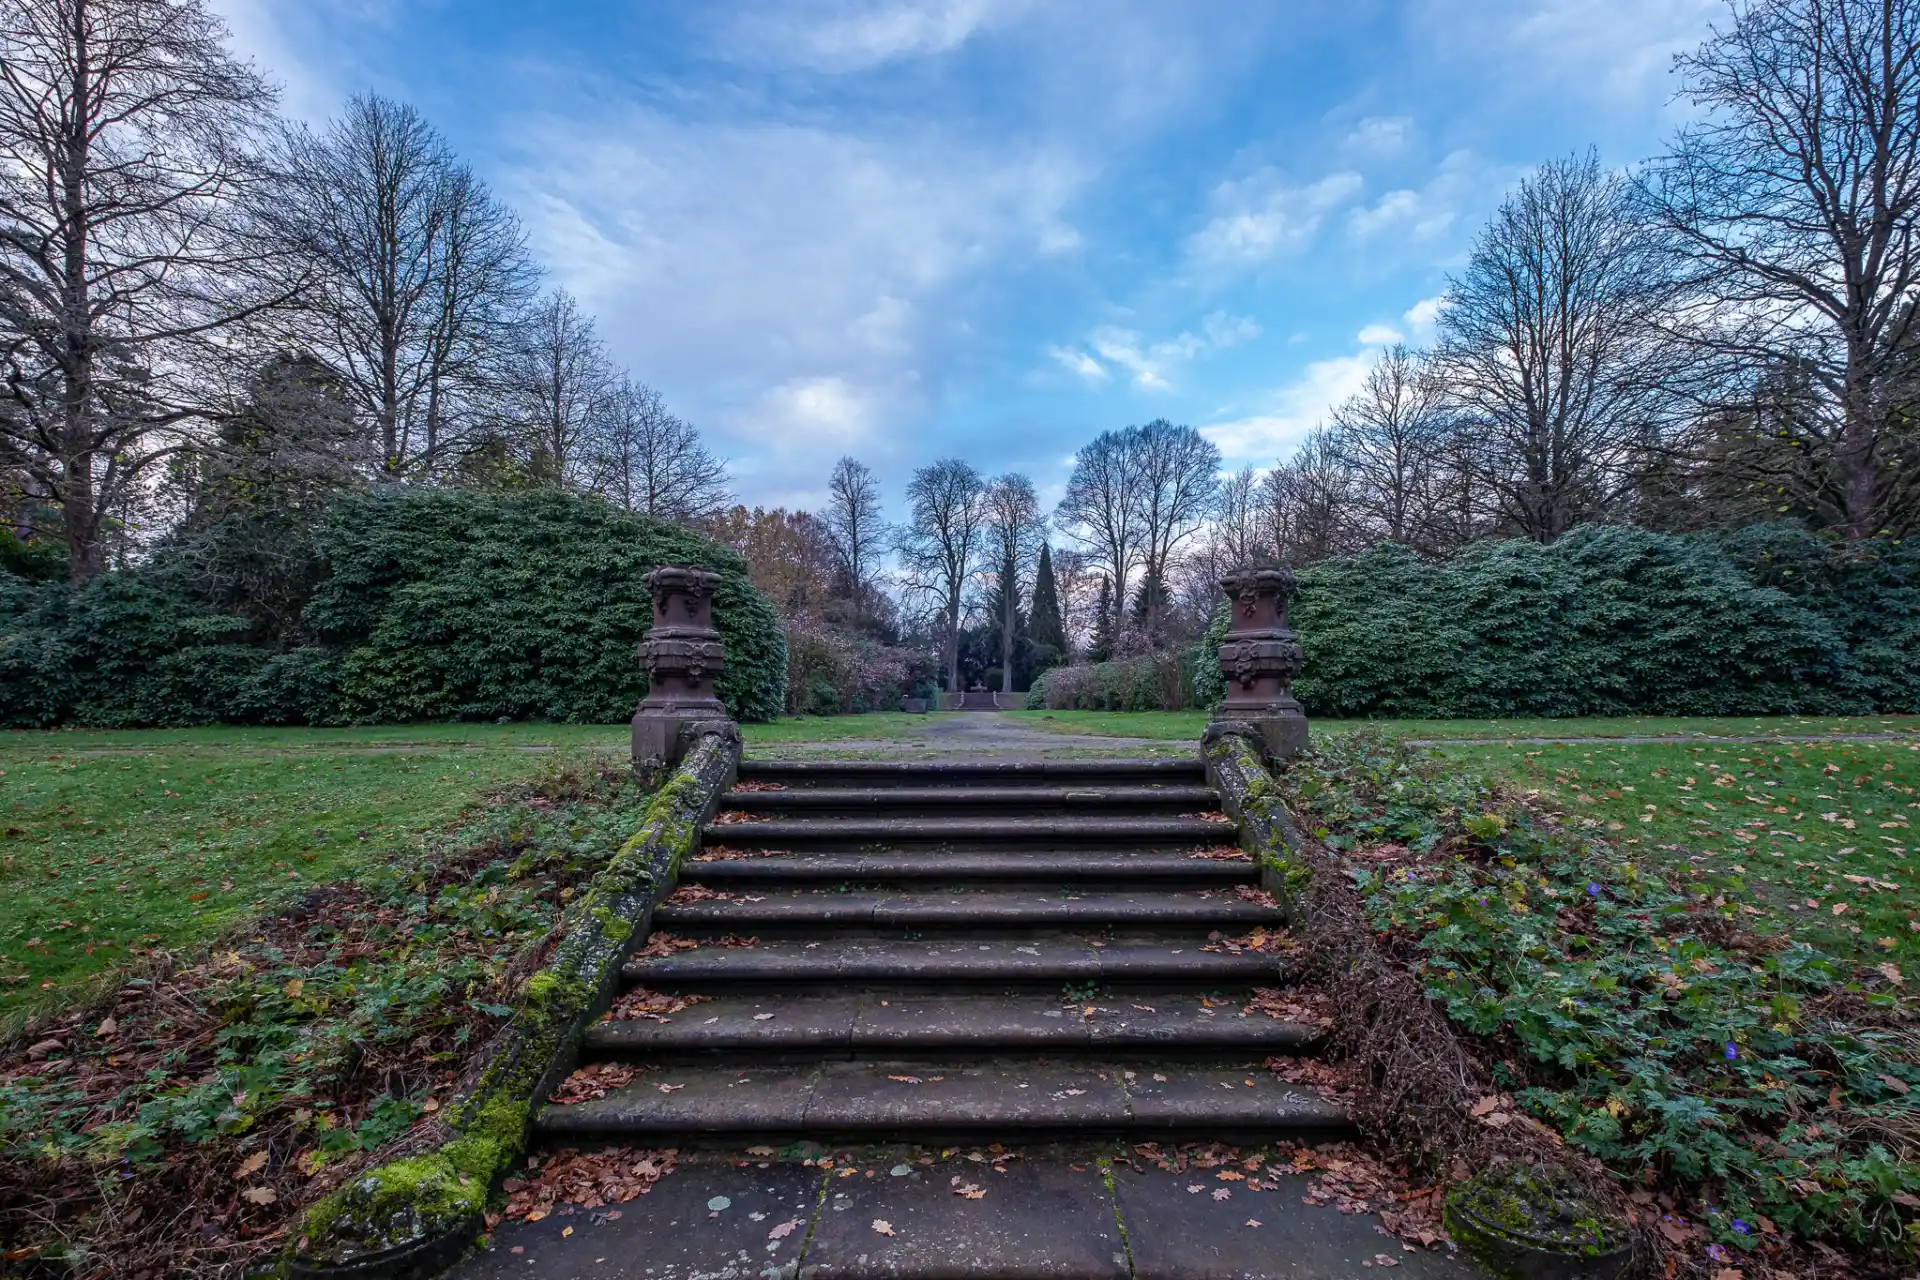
x=905, y=229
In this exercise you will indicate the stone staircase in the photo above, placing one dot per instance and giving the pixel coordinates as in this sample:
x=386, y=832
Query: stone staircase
x=878, y=952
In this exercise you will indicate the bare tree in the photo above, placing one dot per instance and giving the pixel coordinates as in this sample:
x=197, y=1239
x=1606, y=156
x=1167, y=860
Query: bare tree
x=1015, y=532
x=1307, y=499
x=1391, y=434
x=1553, y=347
x=1101, y=509
x=941, y=542
x=648, y=460
x=1797, y=199
x=125, y=265
x=414, y=271
x=1074, y=581
x=853, y=519
x=1179, y=473
x=1242, y=529
x=561, y=389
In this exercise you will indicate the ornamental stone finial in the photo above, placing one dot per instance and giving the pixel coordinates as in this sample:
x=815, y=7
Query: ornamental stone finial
x=1260, y=658
x=682, y=655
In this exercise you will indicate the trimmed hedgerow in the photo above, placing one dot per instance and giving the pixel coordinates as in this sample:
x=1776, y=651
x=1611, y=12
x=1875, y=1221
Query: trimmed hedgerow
x=434, y=605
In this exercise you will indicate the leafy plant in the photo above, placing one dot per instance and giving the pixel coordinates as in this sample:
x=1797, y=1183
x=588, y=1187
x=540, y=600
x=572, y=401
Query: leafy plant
x=1770, y=1079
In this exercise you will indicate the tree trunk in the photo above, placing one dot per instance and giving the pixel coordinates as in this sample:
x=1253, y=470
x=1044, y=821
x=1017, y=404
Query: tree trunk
x=1006, y=640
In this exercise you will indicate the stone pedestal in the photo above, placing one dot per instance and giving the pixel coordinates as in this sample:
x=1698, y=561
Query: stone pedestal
x=683, y=656
x=1260, y=658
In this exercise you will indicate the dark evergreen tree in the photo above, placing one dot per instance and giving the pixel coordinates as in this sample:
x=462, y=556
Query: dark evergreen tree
x=1046, y=625
x=1102, y=647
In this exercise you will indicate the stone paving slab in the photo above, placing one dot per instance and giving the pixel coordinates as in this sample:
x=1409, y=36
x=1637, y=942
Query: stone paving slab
x=1053, y=1217
x=1035, y=1220
x=1176, y=1232
x=702, y=1222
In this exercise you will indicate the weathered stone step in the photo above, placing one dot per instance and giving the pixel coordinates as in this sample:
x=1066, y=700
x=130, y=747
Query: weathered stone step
x=1002, y=865
x=968, y=832
x=944, y=773
x=1083, y=909
x=1166, y=801
x=922, y=1097
x=880, y=1025
x=995, y=962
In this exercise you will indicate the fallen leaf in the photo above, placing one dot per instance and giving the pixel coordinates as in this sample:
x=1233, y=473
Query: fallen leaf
x=251, y=1165
x=294, y=987
x=259, y=1195
x=1485, y=1105
x=108, y=1026
x=1894, y=1083
x=761, y=1017
x=1253, y=1222
x=1221, y=1193
x=906, y=1079
x=970, y=1190
x=669, y=1088
x=882, y=1227
x=784, y=1230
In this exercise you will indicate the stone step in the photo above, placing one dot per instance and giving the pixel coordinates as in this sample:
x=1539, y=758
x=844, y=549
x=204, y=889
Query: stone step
x=1002, y=962
x=955, y=773
x=1079, y=909
x=968, y=833
x=1054, y=865
x=922, y=1097
x=808, y=802
x=872, y=1024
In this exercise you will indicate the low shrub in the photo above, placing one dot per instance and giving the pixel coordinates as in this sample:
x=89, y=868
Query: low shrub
x=1146, y=682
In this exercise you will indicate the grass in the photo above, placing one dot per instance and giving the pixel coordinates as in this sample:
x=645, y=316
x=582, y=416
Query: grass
x=1815, y=839
x=1168, y=725
x=116, y=844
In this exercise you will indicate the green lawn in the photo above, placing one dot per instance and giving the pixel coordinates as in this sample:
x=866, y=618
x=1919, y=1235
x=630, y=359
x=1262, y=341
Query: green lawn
x=1812, y=838
x=1189, y=724
x=112, y=844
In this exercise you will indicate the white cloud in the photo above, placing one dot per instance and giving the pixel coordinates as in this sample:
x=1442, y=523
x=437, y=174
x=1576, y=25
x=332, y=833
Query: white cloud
x=1379, y=335
x=1081, y=363
x=1223, y=330
x=1619, y=50
x=1381, y=135
x=1262, y=216
x=1423, y=316
x=784, y=285
x=840, y=37
x=816, y=411
x=1151, y=365
x=1296, y=409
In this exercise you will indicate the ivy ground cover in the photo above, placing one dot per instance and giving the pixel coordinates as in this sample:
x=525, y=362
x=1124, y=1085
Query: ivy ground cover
x=1752, y=1076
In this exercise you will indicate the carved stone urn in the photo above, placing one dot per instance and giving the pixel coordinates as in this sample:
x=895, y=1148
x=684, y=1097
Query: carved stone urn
x=1260, y=658
x=683, y=655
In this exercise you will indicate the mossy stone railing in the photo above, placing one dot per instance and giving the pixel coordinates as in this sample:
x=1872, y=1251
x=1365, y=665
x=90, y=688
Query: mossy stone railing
x=1233, y=759
x=413, y=1215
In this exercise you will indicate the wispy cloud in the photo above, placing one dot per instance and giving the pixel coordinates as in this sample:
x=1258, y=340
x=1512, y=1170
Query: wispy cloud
x=1152, y=366
x=1380, y=135
x=841, y=37
x=785, y=282
x=1292, y=411
x=1263, y=215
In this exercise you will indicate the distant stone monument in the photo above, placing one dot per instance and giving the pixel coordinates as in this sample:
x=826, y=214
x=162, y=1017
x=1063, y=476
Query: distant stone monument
x=1260, y=658
x=683, y=655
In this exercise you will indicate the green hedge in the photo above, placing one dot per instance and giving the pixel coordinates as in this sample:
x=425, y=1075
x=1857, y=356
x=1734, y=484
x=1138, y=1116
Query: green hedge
x=1613, y=621
x=435, y=605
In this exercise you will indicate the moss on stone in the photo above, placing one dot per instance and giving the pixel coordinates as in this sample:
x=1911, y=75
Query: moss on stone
x=1507, y=1213
x=437, y=1193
